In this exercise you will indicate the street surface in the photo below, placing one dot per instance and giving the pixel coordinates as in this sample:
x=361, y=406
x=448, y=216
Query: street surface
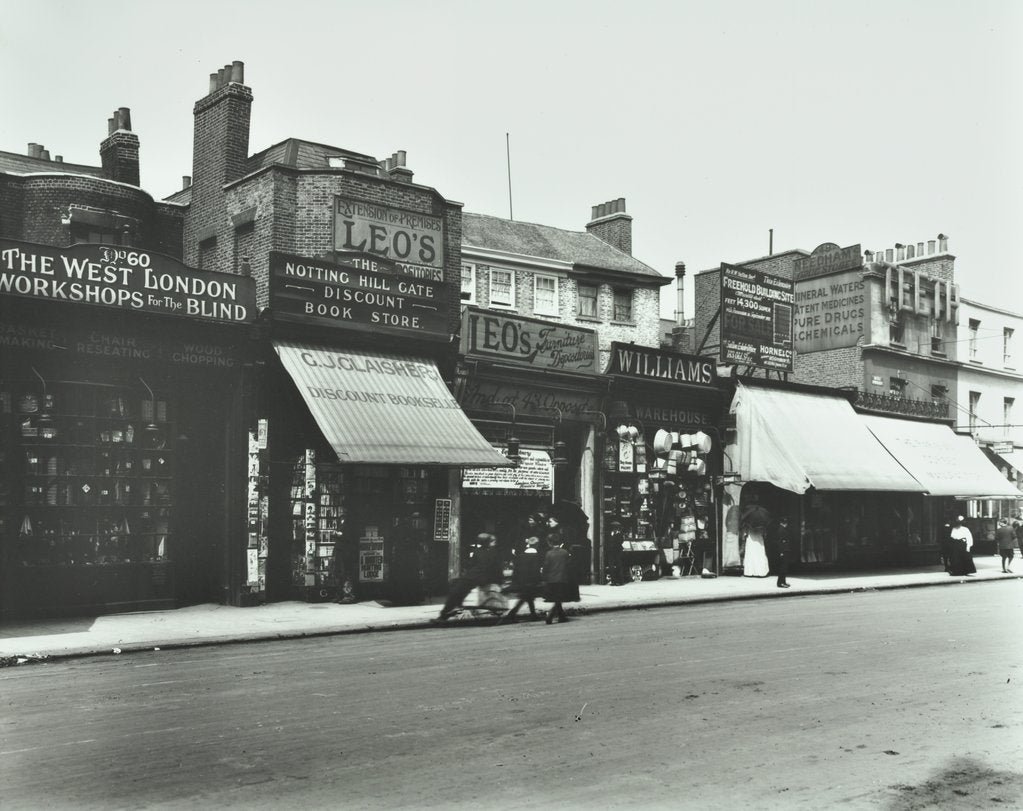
x=896, y=699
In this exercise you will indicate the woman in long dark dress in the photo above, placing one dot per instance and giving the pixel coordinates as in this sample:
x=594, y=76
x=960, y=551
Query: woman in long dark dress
x=559, y=585
x=961, y=542
x=526, y=580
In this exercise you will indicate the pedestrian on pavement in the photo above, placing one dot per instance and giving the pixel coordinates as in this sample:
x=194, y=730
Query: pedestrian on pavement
x=484, y=569
x=755, y=520
x=1018, y=526
x=962, y=542
x=782, y=544
x=945, y=545
x=559, y=587
x=526, y=580
x=1006, y=540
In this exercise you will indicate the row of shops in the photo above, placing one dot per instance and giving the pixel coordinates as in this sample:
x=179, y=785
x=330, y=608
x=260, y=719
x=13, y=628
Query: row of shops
x=191, y=449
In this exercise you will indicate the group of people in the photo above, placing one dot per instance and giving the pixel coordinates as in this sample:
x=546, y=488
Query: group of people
x=758, y=532
x=541, y=568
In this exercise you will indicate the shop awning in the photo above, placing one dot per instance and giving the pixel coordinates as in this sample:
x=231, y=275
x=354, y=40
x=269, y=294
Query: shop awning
x=945, y=463
x=380, y=408
x=796, y=440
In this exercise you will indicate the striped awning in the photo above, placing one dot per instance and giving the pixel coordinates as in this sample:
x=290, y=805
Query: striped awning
x=380, y=408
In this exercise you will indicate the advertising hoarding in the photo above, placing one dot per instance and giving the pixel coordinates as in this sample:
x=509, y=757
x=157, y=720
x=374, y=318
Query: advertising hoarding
x=756, y=318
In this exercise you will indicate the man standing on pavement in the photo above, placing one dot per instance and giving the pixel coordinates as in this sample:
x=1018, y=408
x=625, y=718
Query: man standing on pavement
x=783, y=547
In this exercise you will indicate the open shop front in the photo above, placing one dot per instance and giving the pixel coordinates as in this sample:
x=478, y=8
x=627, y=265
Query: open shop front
x=530, y=388
x=955, y=472
x=805, y=453
x=660, y=457
x=350, y=472
x=120, y=439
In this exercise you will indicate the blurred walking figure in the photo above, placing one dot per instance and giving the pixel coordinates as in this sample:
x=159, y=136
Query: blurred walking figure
x=961, y=540
x=559, y=586
x=1006, y=539
x=484, y=569
x=526, y=581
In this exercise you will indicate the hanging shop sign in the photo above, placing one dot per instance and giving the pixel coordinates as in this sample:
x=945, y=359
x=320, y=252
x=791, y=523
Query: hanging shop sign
x=831, y=311
x=413, y=241
x=756, y=318
x=533, y=473
x=442, y=520
x=484, y=395
x=828, y=258
x=661, y=365
x=361, y=292
x=528, y=342
x=117, y=345
x=125, y=279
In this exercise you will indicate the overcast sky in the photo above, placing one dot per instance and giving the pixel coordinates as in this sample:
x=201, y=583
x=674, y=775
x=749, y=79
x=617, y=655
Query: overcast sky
x=866, y=121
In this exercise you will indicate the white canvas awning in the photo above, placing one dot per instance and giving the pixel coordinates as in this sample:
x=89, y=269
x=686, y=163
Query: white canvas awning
x=796, y=440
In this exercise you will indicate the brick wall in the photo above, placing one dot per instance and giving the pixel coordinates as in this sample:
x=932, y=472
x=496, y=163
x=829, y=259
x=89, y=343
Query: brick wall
x=36, y=209
x=832, y=367
x=119, y=154
x=615, y=230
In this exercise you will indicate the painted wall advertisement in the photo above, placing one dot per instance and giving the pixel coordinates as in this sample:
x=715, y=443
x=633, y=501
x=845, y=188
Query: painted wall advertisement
x=526, y=341
x=413, y=241
x=756, y=318
x=360, y=292
x=831, y=311
x=828, y=258
x=534, y=473
x=125, y=279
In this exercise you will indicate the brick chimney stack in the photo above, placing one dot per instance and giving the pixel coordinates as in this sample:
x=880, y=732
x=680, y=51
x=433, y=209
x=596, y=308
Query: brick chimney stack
x=610, y=223
x=119, y=152
x=220, y=148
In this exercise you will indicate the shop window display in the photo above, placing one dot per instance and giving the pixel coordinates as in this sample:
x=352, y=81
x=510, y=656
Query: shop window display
x=87, y=482
x=657, y=504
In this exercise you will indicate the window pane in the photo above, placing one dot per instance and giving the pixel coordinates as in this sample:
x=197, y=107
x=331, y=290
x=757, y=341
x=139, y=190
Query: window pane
x=623, y=305
x=588, y=300
x=468, y=283
x=546, y=295
x=501, y=287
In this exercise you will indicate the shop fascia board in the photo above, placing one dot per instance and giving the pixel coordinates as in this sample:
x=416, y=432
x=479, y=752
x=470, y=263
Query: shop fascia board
x=529, y=375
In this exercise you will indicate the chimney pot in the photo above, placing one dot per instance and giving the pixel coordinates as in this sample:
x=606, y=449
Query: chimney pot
x=889, y=255
x=400, y=154
x=32, y=150
x=868, y=256
x=58, y=158
x=910, y=251
x=238, y=72
x=601, y=210
x=221, y=79
x=942, y=243
x=593, y=209
x=621, y=204
x=930, y=246
x=186, y=181
x=125, y=113
x=213, y=83
x=44, y=154
x=111, y=126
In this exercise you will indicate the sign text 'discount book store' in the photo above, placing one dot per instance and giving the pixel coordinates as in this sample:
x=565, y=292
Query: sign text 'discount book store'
x=124, y=278
x=361, y=292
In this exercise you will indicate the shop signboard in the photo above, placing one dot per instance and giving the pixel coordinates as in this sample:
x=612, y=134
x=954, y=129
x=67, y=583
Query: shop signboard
x=442, y=520
x=662, y=365
x=828, y=258
x=111, y=343
x=831, y=311
x=371, y=557
x=534, y=473
x=528, y=341
x=486, y=395
x=412, y=240
x=360, y=292
x=124, y=278
x=756, y=318
x=1002, y=447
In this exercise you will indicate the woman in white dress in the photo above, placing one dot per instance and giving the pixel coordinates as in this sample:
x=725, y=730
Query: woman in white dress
x=755, y=519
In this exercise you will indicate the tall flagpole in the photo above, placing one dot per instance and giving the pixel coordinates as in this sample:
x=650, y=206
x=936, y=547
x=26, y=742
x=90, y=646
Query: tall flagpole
x=507, y=144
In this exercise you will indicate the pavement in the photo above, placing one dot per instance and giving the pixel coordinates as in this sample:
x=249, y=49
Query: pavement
x=33, y=640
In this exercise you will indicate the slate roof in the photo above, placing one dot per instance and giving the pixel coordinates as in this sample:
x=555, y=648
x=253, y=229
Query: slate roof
x=546, y=242
x=23, y=164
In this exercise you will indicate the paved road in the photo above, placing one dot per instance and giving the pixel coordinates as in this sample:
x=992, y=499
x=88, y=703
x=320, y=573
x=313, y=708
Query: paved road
x=902, y=699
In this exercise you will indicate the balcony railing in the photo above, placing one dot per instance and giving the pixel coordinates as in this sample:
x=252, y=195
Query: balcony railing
x=894, y=404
